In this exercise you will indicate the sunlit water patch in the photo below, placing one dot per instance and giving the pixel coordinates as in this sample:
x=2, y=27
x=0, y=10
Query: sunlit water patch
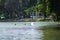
x=21, y=34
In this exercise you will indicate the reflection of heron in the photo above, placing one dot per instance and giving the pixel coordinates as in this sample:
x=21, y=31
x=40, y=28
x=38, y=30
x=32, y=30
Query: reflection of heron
x=32, y=23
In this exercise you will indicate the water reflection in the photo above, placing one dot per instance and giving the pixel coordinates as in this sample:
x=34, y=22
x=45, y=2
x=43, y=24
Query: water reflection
x=46, y=33
x=51, y=33
x=21, y=34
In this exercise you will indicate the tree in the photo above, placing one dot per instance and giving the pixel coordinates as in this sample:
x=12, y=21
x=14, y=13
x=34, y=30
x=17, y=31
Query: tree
x=12, y=8
x=55, y=7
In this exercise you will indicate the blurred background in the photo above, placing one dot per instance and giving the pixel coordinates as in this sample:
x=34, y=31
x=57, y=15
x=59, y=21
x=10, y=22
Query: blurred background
x=30, y=10
x=27, y=12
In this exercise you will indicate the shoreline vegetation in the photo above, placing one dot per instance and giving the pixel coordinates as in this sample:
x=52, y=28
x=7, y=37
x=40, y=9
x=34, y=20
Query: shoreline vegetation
x=28, y=20
x=15, y=10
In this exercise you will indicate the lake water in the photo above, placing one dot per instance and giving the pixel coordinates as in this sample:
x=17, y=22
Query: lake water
x=26, y=31
x=21, y=34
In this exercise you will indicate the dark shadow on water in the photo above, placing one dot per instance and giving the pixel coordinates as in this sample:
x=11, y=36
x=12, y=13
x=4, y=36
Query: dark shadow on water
x=51, y=33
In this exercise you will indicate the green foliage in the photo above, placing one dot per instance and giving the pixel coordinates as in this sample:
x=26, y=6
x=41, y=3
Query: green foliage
x=20, y=1
x=42, y=6
x=38, y=6
x=30, y=10
x=0, y=0
x=27, y=11
x=47, y=7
